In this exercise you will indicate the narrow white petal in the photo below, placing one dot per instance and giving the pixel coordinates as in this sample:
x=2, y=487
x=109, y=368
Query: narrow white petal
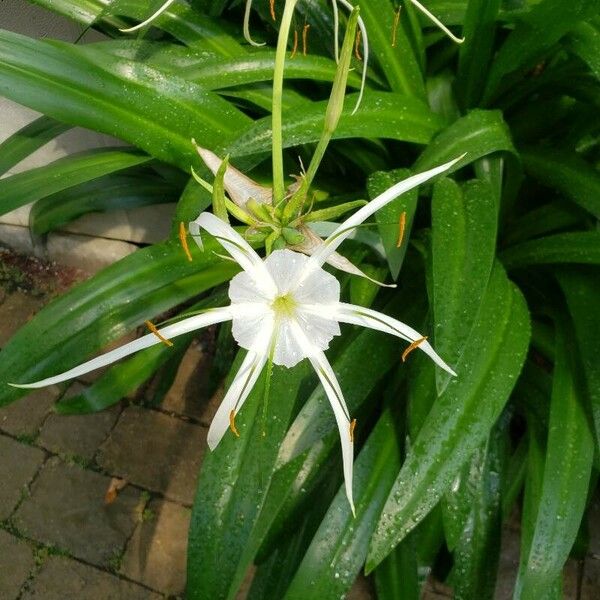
x=346, y=228
x=151, y=18
x=237, y=247
x=239, y=187
x=336, y=31
x=239, y=390
x=359, y=315
x=429, y=14
x=338, y=404
x=210, y=317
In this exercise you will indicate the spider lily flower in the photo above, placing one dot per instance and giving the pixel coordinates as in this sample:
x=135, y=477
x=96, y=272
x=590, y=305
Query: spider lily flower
x=283, y=309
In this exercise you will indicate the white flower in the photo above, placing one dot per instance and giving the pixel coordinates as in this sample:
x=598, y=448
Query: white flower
x=285, y=308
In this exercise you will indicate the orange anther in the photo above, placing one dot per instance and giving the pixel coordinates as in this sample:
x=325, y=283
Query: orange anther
x=352, y=426
x=232, y=423
x=395, y=26
x=357, y=44
x=272, y=8
x=295, y=48
x=401, y=228
x=153, y=329
x=305, y=39
x=414, y=345
x=183, y=240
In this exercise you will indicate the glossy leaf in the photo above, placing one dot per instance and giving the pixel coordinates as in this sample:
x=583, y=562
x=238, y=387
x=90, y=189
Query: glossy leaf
x=158, y=112
x=566, y=476
x=463, y=242
x=572, y=247
x=382, y=114
x=461, y=417
x=63, y=174
x=27, y=140
x=567, y=173
x=585, y=42
x=102, y=194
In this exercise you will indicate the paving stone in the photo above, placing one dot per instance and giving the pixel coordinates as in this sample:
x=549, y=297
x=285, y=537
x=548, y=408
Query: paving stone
x=86, y=252
x=590, y=583
x=571, y=580
x=16, y=562
x=15, y=311
x=26, y=415
x=156, y=554
x=189, y=393
x=77, y=435
x=361, y=590
x=62, y=578
x=18, y=465
x=67, y=510
x=156, y=451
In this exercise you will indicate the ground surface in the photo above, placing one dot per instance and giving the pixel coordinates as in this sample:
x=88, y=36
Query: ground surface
x=61, y=538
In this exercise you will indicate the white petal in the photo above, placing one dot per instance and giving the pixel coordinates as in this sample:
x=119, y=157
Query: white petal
x=210, y=317
x=346, y=228
x=150, y=18
x=244, y=288
x=237, y=247
x=338, y=404
x=247, y=35
x=319, y=327
x=239, y=187
x=288, y=351
x=438, y=22
x=358, y=315
x=249, y=326
x=238, y=391
x=285, y=267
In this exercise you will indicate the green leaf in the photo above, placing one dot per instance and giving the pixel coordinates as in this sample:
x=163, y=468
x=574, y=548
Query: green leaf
x=232, y=487
x=476, y=51
x=338, y=549
x=154, y=110
x=535, y=33
x=463, y=244
x=479, y=133
x=461, y=418
x=585, y=42
x=27, y=140
x=112, y=192
x=567, y=173
x=63, y=174
x=104, y=308
x=381, y=114
x=572, y=247
x=388, y=217
x=259, y=67
x=581, y=288
x=566, y=477
x=397, y=577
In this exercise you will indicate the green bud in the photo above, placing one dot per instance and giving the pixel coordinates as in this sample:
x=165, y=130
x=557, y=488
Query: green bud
x=259, y=210
x=279, y=243
x=292, y=236
x=256, y=236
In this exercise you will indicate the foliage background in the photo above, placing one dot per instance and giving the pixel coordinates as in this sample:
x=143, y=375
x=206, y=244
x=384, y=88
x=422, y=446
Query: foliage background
x=502, y=270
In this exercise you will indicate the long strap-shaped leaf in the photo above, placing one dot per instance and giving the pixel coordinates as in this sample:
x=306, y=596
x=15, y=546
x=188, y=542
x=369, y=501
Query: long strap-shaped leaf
x=461, y=417
x=158, y=112
x=27, y=140
x=63, y=174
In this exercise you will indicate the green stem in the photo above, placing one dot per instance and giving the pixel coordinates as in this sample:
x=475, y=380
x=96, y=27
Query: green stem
x=284, y=31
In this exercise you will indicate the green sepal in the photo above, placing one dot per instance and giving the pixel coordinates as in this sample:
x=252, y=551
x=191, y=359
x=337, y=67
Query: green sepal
x=218, y=193
x=292, y=236
x=333, y=212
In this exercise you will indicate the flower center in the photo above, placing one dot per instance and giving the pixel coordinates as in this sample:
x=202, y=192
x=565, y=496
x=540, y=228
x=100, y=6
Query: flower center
x=285, y=305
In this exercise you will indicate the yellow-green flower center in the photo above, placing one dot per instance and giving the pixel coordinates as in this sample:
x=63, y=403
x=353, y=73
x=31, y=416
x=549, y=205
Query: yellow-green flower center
x=284, y=306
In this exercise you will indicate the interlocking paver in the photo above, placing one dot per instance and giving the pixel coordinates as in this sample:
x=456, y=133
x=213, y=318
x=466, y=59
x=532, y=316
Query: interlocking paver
x=16, y=562
x=156, y=451
x=78, y=435
x=590, y=583
x=18, y=465
x=26, y=415
x=66, y=509
x=15, y=311
x=156, y=553
x=62, y=578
